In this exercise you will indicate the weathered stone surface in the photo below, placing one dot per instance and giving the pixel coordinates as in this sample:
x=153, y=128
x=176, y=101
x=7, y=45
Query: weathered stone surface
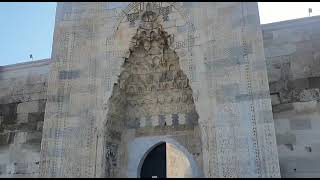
x=22, y=114
x=31, y=106
x=141, y=70
x=225, y=113
x=293, y=69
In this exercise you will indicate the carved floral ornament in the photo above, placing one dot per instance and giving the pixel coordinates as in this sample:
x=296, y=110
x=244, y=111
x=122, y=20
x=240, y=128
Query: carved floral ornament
x=153, y=9
x=151, y=64
x=137, y=12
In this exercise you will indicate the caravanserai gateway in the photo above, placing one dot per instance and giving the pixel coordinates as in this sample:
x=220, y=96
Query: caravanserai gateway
x=171, y=89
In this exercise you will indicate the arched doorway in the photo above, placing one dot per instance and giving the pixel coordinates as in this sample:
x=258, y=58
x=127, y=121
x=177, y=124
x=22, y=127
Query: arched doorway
x=166, y=160
x=154, y=165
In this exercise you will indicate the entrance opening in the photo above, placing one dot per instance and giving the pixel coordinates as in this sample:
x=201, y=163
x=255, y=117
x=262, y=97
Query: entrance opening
x=165, y=160
x=154, y=165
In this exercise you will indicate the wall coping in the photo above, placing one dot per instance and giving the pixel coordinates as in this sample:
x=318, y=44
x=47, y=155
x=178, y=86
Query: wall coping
x=24, y=65
x=301, y=22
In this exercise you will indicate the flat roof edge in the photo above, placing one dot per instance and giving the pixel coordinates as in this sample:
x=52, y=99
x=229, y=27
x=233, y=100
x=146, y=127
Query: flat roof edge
x=25, y=65
x=290, y=23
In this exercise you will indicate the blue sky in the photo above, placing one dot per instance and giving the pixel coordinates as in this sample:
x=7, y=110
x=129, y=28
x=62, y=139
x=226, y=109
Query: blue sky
x=27, y=27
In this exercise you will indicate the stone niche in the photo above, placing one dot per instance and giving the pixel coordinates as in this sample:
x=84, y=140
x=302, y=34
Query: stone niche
x=152, y=96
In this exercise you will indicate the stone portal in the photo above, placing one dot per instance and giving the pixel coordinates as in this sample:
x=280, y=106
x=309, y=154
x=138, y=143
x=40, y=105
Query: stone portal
x=191, y=72
x=152, y=96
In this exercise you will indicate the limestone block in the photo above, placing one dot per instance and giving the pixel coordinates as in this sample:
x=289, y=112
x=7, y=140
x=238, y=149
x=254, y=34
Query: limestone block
x=282, y=107
x=316, y=147
x=299, y=84
x=301, y=65
x=28, y=107
x=148, y=122
x=42, y=105
x=168, y=119
x=4, y=137
x=305, y=106
x=280, y=50
x=3, y=169
x=182, y=119
x=314, y=119
x=274, y=72
x=22, y=118
x=305, y=138
x=34, y=137
x=287, y=138
x=314, y=82
x=155, y=121
x=275, y=99
x=20, y=137
x=282, y=125
x=35, y=117
x=304, y=167
x=39, y=125
x=143, y=122
x=300, y=124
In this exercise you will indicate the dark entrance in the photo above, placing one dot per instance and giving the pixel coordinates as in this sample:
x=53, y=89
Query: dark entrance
x=155, y=163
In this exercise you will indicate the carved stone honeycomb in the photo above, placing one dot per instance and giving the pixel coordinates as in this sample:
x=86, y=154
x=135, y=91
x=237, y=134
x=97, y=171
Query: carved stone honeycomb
x=154, y=89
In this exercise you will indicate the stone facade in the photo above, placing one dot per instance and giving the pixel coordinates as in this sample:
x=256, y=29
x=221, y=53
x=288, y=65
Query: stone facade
x=208, y=91
x=127, y=76
x=292, y=52
x=22, y=104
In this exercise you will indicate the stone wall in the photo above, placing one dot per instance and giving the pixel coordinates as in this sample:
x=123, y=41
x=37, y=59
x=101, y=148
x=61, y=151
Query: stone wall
x=293, y=64
x=292, y=50
x=220, y=50
x=22, y=103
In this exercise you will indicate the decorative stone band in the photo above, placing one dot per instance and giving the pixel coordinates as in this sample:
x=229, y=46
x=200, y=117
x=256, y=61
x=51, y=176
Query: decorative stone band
x=163, y=120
